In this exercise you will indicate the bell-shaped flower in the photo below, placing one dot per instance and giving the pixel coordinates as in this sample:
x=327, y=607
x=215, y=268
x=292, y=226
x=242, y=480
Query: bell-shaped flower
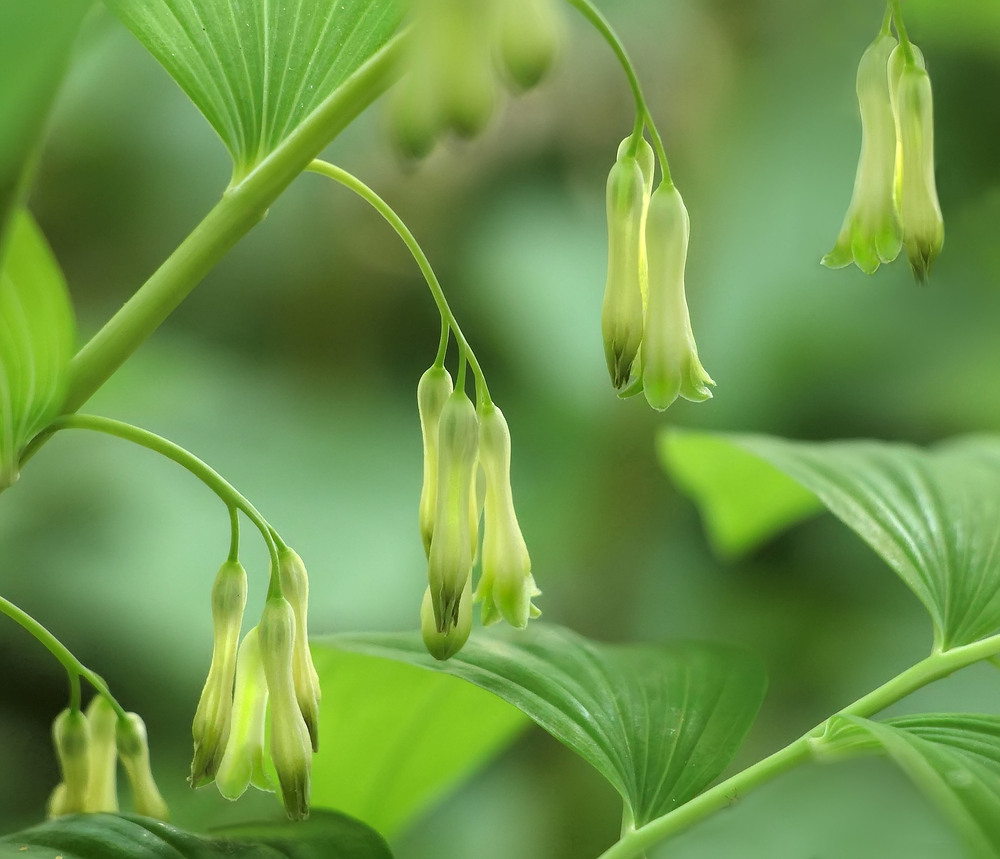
x=444, y=645
x=71, y=738
x=622, y=307
x=210, y=727
x=133, y=750
x=528, y=36
x=871, y=231
x=102, y=787
x=506, y=586
x=433, y=390
x=453, y=546
x=295, y=589
x=671, y=367
x=917, y=200
x=291, y=747
x=243, y=761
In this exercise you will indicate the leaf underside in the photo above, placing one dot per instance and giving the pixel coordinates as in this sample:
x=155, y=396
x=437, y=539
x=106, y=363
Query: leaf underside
x=659, y=722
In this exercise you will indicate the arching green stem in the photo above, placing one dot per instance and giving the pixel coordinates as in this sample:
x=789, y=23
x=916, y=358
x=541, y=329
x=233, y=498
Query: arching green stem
x=234, y=534
x=385, y=210
x=904, y=40
x=443, y=343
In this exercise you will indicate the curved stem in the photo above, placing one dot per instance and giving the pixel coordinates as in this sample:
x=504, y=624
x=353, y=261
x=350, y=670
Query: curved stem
x=643, y=116
x=74, y=667
x=354, y=184
x=904, y=40
x=443, y=343
x=234, y=534
x=939, y=664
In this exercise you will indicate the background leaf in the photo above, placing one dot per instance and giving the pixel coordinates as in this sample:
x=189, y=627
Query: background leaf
x=324, y=835
x=36, y=339
x=396, y=737
x=257, y=68
x=954, y=759
x=660, y=722
x=931, y=514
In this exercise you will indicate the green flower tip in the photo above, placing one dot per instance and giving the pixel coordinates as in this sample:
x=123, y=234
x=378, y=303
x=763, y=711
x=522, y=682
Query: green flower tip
x=528, y=36
x=443, y=645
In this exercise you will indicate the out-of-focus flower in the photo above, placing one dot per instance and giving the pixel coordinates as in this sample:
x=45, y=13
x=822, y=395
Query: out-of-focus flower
x=71, y=738
x=133, y=749
x=102, y=787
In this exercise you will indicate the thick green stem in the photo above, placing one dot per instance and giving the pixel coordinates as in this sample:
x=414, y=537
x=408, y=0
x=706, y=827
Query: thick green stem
x=241, y=207
x=936, y=666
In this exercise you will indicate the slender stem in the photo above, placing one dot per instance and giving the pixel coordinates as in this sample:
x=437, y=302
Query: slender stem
x=74, y=667
x=443, y=343
x=234, y=534
x=939, y=664
x=904, y=40
x=643, y=116
x=886, y=22
x=385, y=210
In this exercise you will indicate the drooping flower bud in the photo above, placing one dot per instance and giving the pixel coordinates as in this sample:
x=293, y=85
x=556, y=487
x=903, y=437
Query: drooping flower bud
x=444, y=645
x=529, y=38
x=621, y=310
x=291, y=748
x=917, y=200
x=871, y=231
x=464, y=34
x=133, y=749
x=671, y=367
x=210, y=727
x=295, y=589
x=71, y=737
x=102, y=788
x=506, y=585
x=453, y=545
x=243, y=761
x=433, y=390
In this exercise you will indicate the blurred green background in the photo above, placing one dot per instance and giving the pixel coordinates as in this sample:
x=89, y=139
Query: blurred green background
x=292, y=370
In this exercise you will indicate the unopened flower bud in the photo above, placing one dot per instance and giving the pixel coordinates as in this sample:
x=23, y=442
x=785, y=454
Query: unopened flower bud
x=506, y=585
x=102, y=788
x=669, y=354
x=453, y=545
x=433, y=390
x=133, y=749
x=210, y=727
x=243, y=761
x=621, y=310
x=71, y=737
x=529, y=38
x=463, y=34
x=871, y=230
x=295, y=589
x=291, y=748
x=444, y=645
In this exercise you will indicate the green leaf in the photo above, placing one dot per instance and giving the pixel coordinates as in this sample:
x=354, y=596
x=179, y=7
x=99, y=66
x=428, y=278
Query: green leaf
x=324, y=835
x=744, y=501
x=35, y=41
x=395, y=737
x=954, y=759
x=36, y=339
x=931, y=514
x=258, y=68
x=659, y=722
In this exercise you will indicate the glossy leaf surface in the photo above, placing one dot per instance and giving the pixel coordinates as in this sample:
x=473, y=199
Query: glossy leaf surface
x=659, y=722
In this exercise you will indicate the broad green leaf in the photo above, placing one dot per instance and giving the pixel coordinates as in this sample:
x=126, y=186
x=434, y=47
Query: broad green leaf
x=35, y=41
x=931, y=514
x=659, y=722
x=257, y=69
x=324, y=835
x=395, y=737
x=953, y=758
x=744, y=501
x=36, y=339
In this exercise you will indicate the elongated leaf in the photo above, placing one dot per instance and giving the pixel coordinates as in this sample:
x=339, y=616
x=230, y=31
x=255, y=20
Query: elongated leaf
x=931, y=514
x=658, y=722
x=257, y=68
x=954, y=759
x=35, y=40
x=396, y=737
x=744, y=501
x=36, y=338
x=102, y=836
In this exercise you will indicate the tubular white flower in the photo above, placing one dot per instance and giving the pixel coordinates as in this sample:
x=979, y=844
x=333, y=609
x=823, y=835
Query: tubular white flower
x=71, y=738
x=295, y=588
x=133, y=749
x=102, y=787
x=433, y=390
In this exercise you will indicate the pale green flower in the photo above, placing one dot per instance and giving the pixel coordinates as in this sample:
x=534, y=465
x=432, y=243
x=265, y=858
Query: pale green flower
x=102, y=786
x=444, y=645
x=295, y=588
x=133, y=750
x=71, y=738
x=433, y=390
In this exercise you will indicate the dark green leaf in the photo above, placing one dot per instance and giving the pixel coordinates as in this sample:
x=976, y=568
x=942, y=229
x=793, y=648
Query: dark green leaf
x=257, y=68
x=931, y=514
x=324, y=835
x=396, y=737
x=660, y=722
x=953, y=758
x=36, y=339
